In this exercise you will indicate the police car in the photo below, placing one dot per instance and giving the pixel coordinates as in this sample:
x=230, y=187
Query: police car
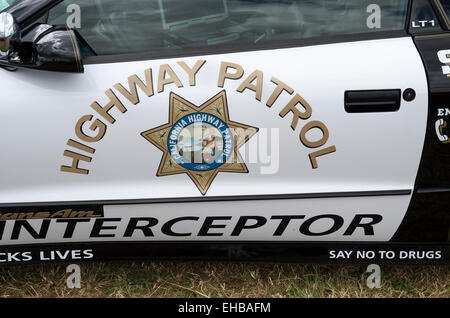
x=234, y=129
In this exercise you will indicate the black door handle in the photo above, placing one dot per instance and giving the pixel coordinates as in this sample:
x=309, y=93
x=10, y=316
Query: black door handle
x=372, y=101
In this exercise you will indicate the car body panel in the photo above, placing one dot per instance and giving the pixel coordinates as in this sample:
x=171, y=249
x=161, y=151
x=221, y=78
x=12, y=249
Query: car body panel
x=93, y=166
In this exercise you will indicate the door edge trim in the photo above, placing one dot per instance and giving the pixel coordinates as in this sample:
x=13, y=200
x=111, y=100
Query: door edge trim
x=261, y=197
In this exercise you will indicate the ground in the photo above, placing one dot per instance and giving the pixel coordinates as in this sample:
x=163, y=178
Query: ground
x=204, y=279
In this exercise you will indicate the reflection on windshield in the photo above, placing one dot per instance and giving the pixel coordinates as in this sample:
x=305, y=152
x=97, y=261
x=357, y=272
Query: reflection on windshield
x=116, y=27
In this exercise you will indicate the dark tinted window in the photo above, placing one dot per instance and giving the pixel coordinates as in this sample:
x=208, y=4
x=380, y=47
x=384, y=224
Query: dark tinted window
x=446, y=5
x=423, y=18
x=115, y=27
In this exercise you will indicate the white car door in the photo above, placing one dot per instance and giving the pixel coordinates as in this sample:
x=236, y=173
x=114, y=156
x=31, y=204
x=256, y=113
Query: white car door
x=225, y=120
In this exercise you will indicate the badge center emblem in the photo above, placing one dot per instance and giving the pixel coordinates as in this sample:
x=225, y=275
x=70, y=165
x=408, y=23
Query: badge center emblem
x=200, y=142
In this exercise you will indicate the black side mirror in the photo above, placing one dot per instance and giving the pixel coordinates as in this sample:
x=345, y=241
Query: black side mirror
x=56, y=49
x=45, y=47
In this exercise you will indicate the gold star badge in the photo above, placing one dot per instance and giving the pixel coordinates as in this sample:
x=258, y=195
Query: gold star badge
x=200, y=141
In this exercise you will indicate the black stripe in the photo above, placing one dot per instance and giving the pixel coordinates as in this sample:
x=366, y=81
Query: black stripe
x=224, y=49
x=217, y=198
x=305, y=252
x=433, y=190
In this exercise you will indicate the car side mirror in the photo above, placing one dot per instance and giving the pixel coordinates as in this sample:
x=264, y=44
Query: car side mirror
x=45, y=47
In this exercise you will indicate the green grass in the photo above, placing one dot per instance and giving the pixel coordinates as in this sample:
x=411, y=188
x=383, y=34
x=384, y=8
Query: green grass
x=203, y=279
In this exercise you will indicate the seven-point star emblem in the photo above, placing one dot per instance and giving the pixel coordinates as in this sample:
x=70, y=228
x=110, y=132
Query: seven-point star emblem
x=200, y=141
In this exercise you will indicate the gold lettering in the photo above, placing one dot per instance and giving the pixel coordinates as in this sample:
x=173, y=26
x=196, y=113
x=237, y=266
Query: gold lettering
x=76, y=160
x=278, y=90
x=313, y=156
x=192, y=72
x=80, y=146
x=67, y=213
x=9, y=216
x=113, y=102
x=62, y=213
x=133, y=82
x=172, y=79
x=257, y=88
x=41, y=215
x=290, y=107
x=96, y=125
x=82, y=214
x=312, y=125
x=223, y=74
x=22, y=216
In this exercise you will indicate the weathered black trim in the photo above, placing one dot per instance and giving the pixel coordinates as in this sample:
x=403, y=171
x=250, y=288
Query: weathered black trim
x=224, y=49
x=215, y=199
x=305, y=252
